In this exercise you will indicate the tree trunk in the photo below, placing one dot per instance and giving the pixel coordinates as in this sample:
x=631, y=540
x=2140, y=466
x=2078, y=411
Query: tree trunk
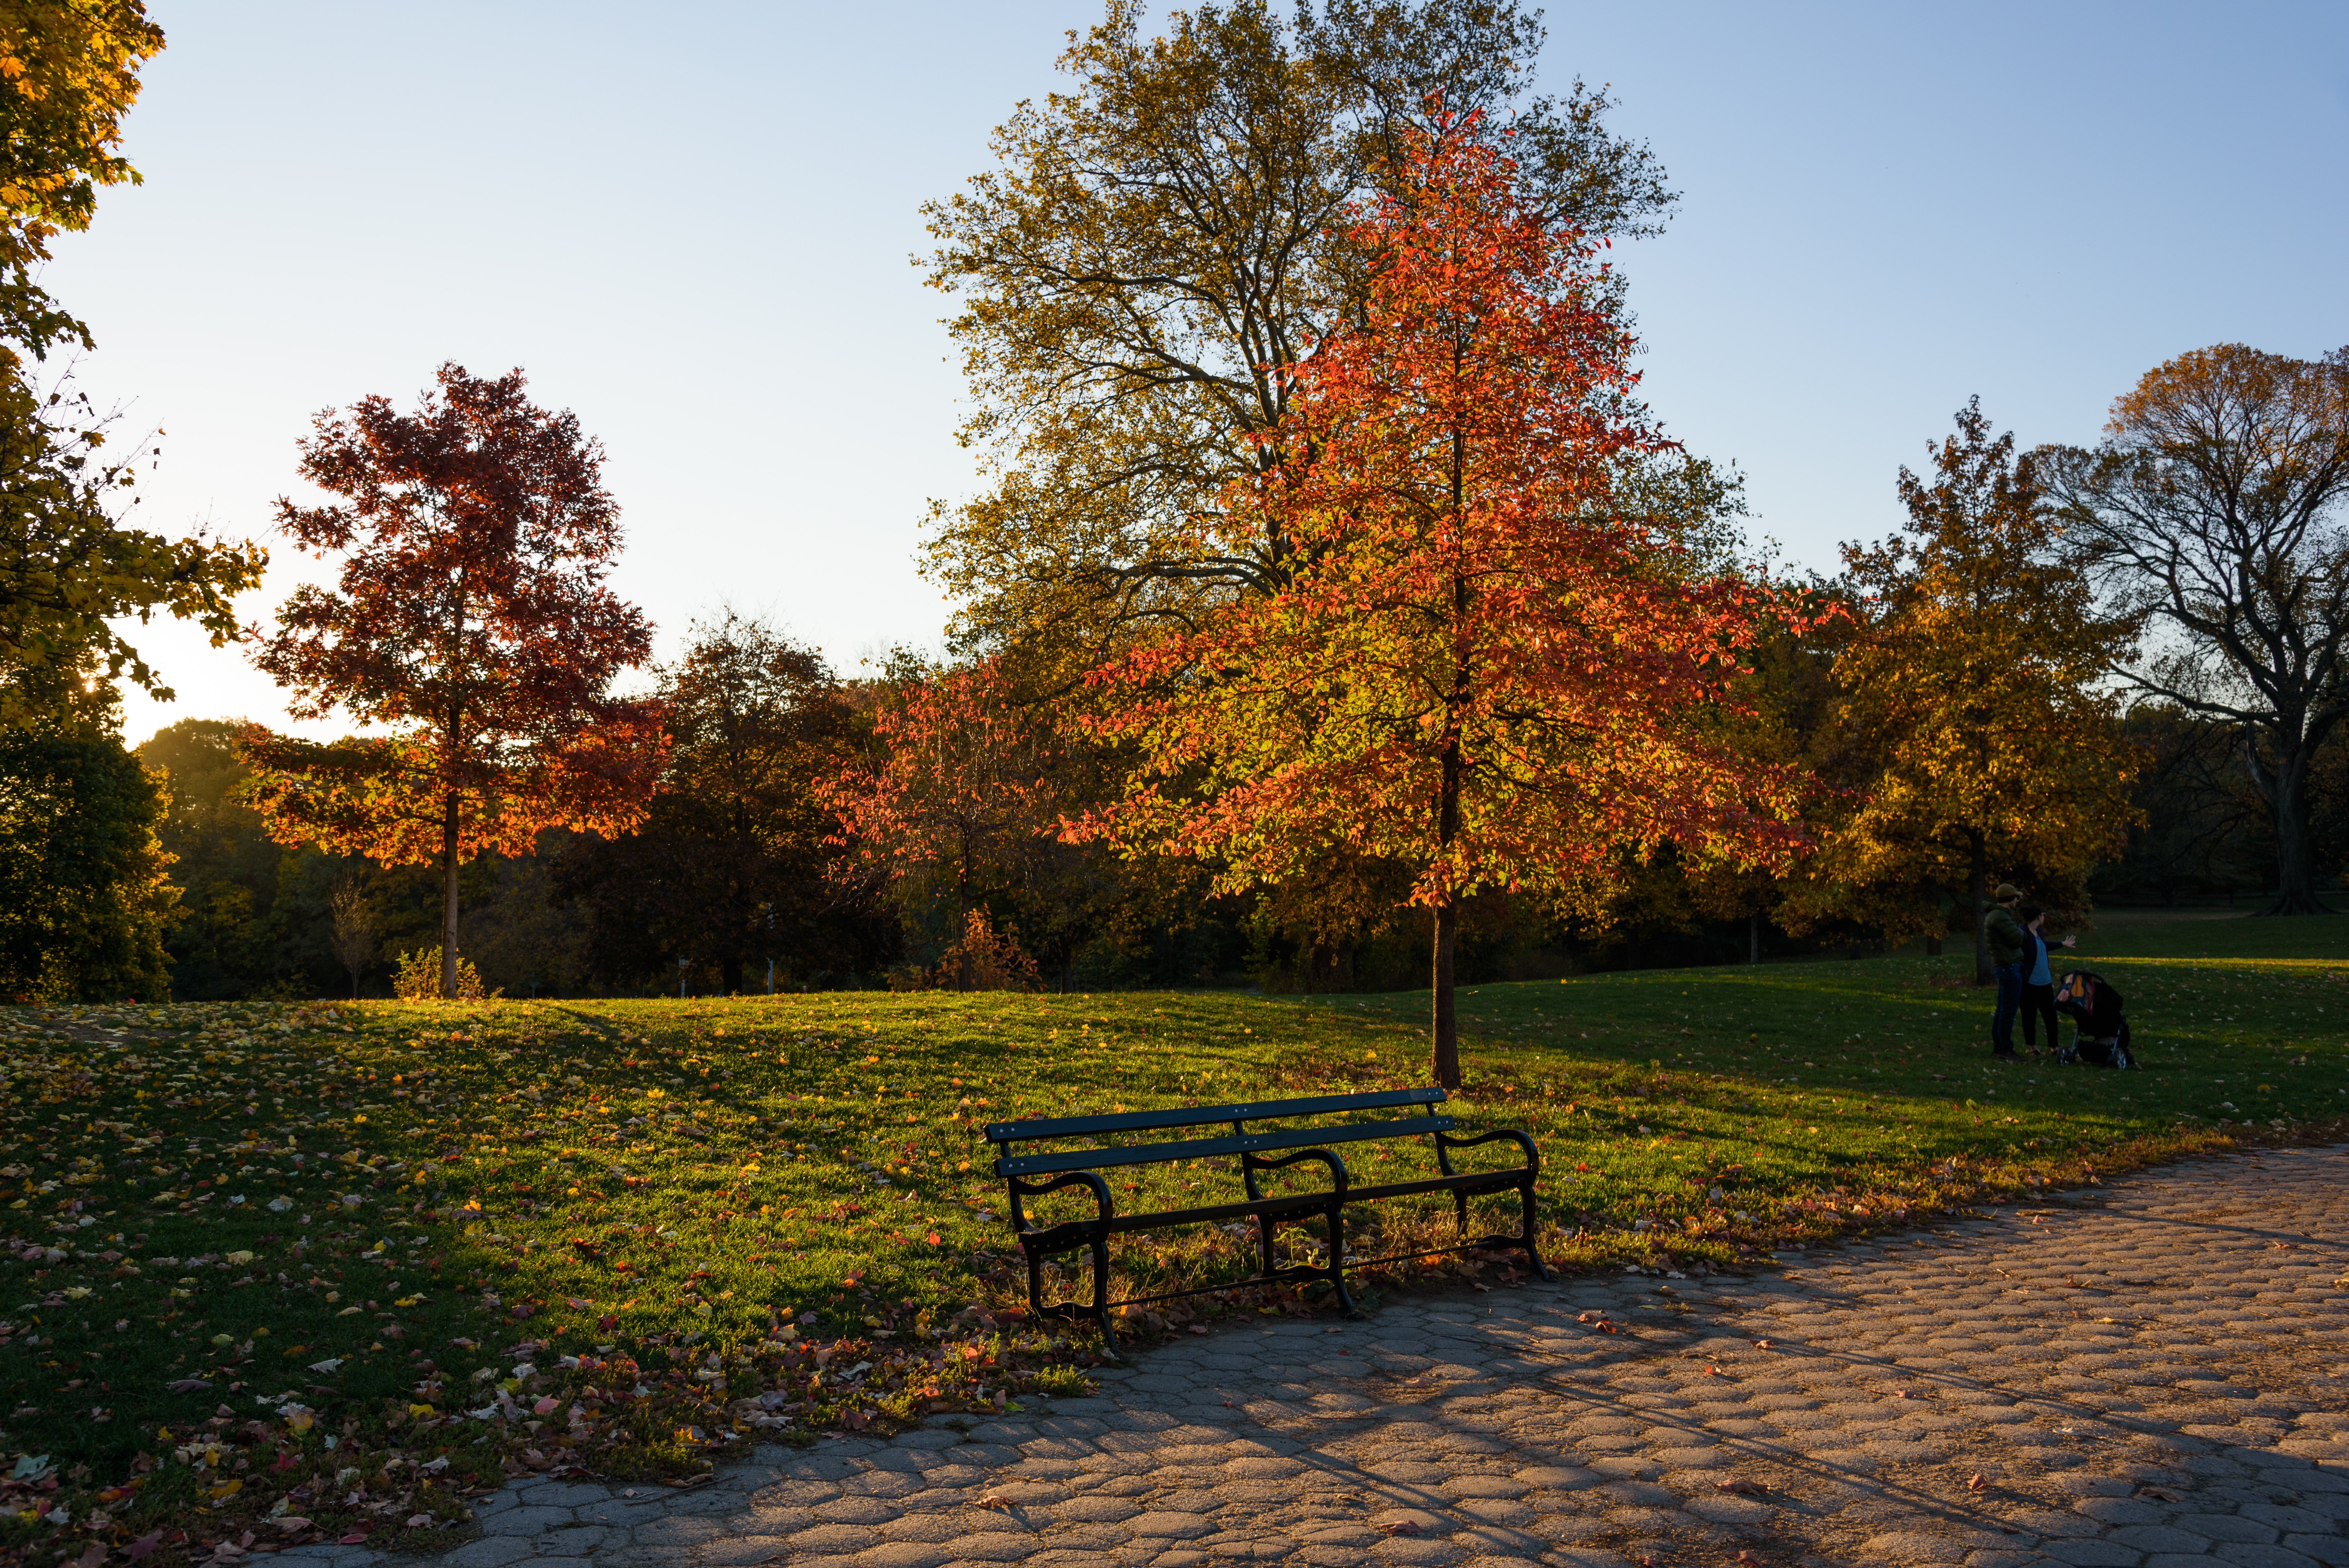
x=1753, y=936
x=1447, y=1025
x=1979, y=878
x=1932, y=947
x=355, y=984
x=2286, y=790
x=449, y=897
x=729, y=972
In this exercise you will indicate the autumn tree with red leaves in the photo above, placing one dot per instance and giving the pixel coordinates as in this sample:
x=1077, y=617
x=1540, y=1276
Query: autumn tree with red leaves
x=1483, y=661
x=473, y=621
x=961, y=797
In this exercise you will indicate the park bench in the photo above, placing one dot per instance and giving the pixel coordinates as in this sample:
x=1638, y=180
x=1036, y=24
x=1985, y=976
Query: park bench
x=1257, y=1138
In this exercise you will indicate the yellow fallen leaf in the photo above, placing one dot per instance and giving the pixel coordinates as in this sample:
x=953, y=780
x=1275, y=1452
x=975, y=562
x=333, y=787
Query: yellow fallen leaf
x=349, y=1310
x=228, y=1489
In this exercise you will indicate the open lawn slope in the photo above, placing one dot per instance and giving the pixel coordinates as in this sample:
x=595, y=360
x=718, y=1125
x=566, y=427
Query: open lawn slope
x=349, y=1263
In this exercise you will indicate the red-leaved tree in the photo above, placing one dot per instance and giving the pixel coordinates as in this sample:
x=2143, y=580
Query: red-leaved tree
x=962, y=793
x=1483, y=662
x=472, y=621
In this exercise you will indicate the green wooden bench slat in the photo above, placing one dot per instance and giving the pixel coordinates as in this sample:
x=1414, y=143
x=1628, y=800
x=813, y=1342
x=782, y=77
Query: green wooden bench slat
x=1199, y=1115
x=1207, y=1148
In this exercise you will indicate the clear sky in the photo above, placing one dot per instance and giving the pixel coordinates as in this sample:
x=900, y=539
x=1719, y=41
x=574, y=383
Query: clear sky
x=692, y=224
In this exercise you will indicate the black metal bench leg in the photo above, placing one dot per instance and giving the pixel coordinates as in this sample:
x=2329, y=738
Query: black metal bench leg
x=1525, y=1231
x=1338, y=1261
x=1035, y=1283
x=1101, y=1295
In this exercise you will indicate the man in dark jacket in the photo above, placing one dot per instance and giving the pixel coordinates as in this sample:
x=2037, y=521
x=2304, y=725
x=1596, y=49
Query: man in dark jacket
x=2006, y=944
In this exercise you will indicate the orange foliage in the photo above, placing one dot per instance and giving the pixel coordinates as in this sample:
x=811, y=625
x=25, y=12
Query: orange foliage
x=471, y=619
x=1481, y=664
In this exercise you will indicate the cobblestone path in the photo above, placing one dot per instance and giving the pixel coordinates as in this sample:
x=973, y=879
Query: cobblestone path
x=2151, y=1375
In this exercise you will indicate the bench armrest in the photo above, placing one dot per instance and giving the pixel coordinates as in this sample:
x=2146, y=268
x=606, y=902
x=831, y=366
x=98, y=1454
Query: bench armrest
x=1447, y=1141
x=1252, y=1163
x=1021, y=1188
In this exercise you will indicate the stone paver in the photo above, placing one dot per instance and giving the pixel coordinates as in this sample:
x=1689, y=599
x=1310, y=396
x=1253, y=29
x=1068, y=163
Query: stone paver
x=2148, y=1376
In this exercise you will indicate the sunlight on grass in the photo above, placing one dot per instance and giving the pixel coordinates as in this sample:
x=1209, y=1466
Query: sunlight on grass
x=617, y=1235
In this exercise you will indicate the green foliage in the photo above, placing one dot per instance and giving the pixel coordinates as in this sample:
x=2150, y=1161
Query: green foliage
x=84, y=902
x=255, y=915
x=738, y=861
x=1158, y=245
x=67, y=564
x=69, y=567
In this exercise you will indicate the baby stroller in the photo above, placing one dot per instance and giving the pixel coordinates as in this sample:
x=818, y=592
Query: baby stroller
x=2100, y=1034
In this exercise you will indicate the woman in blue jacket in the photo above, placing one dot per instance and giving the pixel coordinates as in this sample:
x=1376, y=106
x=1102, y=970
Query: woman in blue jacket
x=2038, y=980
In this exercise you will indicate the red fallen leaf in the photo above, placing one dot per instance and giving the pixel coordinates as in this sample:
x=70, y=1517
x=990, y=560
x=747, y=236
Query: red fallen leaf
x=991, y=1501
x=577, y=1304
x=1748, y=1557
x=186, y=1385
x=1977, y=1484
x=356, y=1538
x=1197, y=1329
x=856, y=1420
x=2163, y=1492
x=143, y=1545
x=1761, y=1344
x=418, y=1520
x=1401, y=1527
x=932, y=1238
x=1743, y=1488
x=608, y=1322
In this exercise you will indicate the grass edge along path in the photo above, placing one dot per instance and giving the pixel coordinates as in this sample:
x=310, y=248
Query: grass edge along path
x=826, y=1262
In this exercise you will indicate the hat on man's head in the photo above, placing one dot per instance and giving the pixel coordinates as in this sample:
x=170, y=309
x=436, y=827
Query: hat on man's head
x=2007, y=891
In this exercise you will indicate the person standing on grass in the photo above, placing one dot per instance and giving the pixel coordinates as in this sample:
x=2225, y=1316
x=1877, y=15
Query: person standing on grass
x=2006, y=943
x=2038, y=980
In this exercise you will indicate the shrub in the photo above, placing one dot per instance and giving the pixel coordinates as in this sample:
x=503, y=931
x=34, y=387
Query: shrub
x=418, y=978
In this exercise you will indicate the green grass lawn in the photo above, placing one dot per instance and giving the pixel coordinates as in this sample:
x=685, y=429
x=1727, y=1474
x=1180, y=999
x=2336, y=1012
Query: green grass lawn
x=358, y=1261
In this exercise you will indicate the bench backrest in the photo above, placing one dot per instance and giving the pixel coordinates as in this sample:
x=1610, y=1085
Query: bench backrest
x=1006, y=1135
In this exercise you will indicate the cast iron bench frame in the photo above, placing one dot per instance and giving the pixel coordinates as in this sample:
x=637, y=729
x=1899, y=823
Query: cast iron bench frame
x=1030, y=1175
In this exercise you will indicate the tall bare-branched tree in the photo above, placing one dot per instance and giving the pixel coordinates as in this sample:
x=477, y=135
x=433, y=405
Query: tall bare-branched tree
x=2217, y=508
x=356, y=928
